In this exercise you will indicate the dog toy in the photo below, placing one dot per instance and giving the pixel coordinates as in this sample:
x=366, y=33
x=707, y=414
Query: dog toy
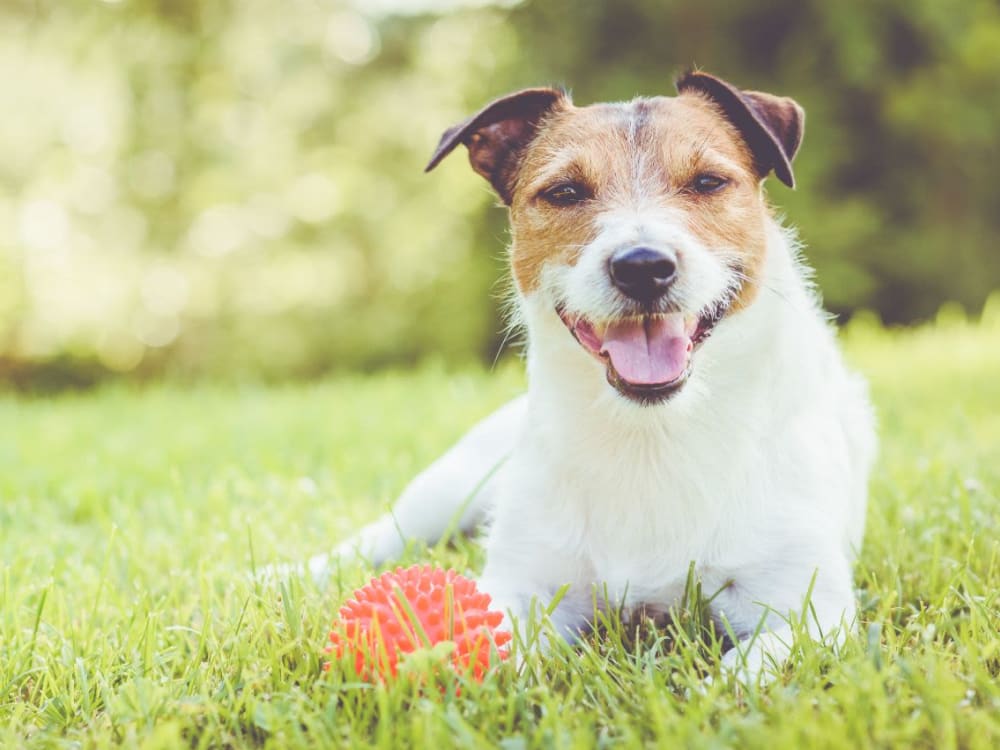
x=418, y=609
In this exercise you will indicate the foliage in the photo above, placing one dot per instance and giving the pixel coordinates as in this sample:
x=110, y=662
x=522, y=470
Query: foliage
x=235, y=187
x=132, y=516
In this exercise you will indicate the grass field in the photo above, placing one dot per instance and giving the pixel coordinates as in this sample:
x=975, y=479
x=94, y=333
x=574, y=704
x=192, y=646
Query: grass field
x=129, y=519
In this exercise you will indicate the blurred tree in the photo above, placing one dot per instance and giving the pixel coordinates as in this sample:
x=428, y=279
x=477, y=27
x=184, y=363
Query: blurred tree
x=235, y=187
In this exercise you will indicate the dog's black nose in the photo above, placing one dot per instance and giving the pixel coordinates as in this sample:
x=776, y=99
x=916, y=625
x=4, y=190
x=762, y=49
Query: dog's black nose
x=642, y=273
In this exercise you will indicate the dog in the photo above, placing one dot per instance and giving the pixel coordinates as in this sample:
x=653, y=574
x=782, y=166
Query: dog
x=687, y=401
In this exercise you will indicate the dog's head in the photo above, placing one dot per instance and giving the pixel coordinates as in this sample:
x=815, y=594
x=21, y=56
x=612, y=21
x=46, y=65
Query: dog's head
x=641, y=225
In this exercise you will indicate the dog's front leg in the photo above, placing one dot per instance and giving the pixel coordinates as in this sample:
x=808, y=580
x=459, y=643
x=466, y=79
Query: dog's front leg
x=450, y=496
x=772, y=604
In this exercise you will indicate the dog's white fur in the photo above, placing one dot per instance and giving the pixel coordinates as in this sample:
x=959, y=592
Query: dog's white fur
x=756, y=470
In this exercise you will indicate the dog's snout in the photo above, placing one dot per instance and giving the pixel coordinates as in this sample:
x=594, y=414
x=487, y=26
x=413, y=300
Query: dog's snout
x=642, y=273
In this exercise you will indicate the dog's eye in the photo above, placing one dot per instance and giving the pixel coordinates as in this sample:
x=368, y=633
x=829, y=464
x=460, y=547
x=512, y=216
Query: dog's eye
x=708, y=183
x=565, y=194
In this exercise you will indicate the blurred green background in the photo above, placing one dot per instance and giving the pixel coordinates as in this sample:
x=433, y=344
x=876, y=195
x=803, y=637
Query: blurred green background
x=234, y=189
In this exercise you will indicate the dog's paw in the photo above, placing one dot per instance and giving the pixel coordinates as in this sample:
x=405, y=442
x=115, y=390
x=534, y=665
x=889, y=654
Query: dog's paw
x=733, y=671
x=756, y=662
x=371, y=546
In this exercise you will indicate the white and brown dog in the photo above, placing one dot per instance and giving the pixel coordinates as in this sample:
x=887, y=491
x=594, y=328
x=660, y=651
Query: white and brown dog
x=687, y=400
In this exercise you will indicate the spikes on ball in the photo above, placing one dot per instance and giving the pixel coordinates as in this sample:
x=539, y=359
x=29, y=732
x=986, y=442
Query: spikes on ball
x=420, y=607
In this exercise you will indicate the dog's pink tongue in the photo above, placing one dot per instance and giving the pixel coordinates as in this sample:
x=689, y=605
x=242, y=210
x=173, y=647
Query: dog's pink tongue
x=650, y=351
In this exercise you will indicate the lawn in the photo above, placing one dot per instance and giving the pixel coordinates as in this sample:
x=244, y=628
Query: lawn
x=129, y=519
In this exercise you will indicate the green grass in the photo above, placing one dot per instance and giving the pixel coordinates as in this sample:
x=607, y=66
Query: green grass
x=129, y=518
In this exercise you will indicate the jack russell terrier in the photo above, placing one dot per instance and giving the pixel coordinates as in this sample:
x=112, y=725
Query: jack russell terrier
x=687, y=399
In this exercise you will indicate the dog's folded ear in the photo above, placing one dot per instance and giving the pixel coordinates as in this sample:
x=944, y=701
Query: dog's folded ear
x=771, y=125
x=497, y=135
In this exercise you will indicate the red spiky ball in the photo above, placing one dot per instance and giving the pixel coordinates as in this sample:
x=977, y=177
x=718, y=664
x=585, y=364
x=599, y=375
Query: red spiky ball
x=416, y=608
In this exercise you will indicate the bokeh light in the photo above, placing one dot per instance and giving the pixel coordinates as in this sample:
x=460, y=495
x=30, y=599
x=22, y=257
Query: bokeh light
x=236, y=188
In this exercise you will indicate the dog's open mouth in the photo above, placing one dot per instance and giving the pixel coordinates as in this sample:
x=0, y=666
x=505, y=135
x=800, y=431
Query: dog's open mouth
x=647, y=357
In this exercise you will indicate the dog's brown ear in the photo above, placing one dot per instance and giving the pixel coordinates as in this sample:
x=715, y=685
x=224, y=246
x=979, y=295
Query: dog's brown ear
x=771, y=125
x=497, y=135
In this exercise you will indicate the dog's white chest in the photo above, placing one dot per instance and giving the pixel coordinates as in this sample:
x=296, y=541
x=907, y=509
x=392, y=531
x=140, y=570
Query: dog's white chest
x=631, y=521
